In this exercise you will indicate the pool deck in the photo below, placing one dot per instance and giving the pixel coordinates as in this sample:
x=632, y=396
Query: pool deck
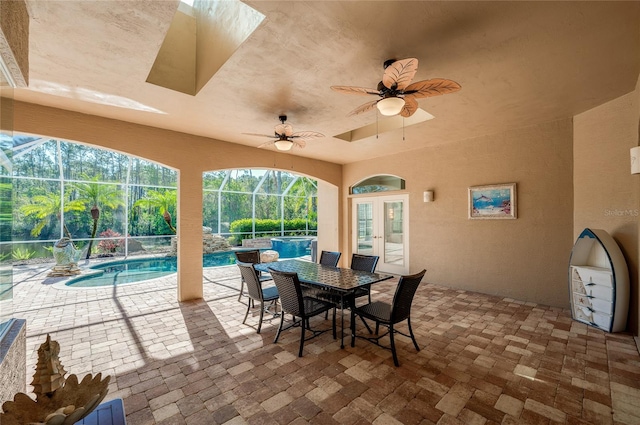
x=484, y=360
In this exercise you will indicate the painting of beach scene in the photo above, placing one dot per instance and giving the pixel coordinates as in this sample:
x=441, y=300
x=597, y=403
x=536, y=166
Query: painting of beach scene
x=494, y=201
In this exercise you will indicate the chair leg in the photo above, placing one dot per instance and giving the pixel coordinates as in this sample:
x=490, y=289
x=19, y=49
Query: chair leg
x=353, y=328
x=377, y=327
x=241, y=290
x=302, y=328
x=334, y=324
x=366, y=325
x=415, y=343
x=393, y=346
x=261, y=315
x=247, y=313
x=279, y=328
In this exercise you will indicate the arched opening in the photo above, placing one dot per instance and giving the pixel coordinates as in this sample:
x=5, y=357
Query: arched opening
x=135, y=206
x=257, y=203
x=107, y=203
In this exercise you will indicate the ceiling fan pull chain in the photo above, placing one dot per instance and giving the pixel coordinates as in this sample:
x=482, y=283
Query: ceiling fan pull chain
x=376, y=125
x=402, y=128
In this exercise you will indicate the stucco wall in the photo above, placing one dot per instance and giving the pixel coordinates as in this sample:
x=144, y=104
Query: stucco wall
x=606, y=194
x=14, y=40
x=526, y=258
x=13, y=360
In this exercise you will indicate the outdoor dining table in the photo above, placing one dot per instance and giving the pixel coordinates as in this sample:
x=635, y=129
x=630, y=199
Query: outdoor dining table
x=336, y=281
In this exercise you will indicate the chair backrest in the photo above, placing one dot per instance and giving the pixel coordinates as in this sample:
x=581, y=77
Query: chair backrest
x=366, y=263
x=290, y=292
x=330, y=258
x=250, y=277
x=250, y=256
x=402, y=299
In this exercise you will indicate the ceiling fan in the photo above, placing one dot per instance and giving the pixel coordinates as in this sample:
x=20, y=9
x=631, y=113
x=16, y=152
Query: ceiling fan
x=284, y=138
x=397, y=94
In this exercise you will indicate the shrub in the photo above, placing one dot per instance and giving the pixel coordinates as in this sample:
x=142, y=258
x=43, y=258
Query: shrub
x=268, y=227
x=22, y=254
x=110, y=245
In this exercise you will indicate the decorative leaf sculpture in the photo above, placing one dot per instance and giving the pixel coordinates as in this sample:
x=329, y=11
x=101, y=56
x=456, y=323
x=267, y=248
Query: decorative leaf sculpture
x=49, y=375
x=58, y=401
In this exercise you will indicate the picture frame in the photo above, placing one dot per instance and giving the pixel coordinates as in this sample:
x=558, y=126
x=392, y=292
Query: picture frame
x=496, y=201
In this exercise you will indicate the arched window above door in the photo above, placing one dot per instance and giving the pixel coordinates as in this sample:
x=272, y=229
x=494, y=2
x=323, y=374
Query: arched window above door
x=379, y=183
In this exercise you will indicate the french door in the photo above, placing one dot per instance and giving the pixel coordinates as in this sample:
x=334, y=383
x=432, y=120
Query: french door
x=380, y=227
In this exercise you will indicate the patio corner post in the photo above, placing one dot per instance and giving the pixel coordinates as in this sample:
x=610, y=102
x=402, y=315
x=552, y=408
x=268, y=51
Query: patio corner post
x=190, y=276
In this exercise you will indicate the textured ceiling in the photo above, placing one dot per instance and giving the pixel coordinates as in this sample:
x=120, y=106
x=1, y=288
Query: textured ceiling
x=519, y=63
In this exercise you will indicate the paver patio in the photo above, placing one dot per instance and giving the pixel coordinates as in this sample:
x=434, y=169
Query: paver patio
x=484, y=359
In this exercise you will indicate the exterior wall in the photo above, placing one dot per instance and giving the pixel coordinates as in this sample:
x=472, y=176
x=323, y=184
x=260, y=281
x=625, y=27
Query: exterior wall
x=190, y=155
x=526, y=258
x=606, y=194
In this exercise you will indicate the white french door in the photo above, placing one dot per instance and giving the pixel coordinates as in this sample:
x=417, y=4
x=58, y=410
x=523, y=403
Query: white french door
x=380, y=227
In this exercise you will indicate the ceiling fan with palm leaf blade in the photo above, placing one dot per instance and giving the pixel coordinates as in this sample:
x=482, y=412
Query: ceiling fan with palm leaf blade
x=284, y=138
x=397, y=94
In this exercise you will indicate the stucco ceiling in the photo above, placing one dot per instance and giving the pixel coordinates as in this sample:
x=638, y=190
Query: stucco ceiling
x=519, y=63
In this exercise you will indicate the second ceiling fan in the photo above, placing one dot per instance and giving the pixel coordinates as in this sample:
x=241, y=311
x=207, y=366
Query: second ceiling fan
x=397, y=94
x=283, y=137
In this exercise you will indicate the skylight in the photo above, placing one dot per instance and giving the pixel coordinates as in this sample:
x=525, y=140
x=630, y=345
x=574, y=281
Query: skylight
x=188, y=2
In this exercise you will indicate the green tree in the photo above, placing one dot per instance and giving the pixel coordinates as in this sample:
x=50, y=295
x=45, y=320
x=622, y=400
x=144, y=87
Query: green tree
x=98, y=195
x=43, y=208
x=163, y=201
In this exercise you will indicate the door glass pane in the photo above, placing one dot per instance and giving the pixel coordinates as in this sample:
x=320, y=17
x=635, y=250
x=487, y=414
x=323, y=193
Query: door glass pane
x=393, y=234
x=365, y=228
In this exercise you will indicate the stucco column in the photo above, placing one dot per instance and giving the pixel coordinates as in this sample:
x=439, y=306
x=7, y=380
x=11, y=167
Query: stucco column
x=328, y=218
x=189, y=234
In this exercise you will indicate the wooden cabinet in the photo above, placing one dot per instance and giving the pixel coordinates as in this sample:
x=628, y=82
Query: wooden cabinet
x=599, y=281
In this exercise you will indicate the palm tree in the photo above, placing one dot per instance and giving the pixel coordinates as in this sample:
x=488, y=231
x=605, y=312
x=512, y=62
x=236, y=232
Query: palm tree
x=98, y=195
x=43, y=208
x=161, y=200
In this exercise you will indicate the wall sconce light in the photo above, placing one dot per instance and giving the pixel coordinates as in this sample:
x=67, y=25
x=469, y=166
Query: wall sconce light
x=428, y=196
x=635, y=160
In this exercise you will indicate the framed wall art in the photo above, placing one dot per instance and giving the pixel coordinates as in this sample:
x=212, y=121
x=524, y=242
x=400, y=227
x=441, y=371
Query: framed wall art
x=496, y=201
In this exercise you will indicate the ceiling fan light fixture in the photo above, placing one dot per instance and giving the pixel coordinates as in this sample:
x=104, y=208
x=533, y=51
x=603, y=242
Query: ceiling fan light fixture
x=284, y=145
x=390, y=106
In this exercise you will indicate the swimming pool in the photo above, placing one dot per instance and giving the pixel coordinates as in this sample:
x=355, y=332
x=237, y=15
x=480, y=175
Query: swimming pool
x=137, y=270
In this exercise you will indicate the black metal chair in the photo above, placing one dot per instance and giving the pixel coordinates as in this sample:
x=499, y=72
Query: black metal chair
x=366, y=263
x=330, y=258
x=256, y=292
x=293, y=302
x=390, y=314
x=250, y=256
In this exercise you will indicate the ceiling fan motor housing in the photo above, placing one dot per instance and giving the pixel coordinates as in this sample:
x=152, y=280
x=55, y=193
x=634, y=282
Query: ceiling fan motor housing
x=388, y=62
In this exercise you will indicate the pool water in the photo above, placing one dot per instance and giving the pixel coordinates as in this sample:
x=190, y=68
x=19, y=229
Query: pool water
x=131, y=271
x=292, y=246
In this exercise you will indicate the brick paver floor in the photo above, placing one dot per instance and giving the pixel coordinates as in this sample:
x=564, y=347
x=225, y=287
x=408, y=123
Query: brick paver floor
x=483, y=359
